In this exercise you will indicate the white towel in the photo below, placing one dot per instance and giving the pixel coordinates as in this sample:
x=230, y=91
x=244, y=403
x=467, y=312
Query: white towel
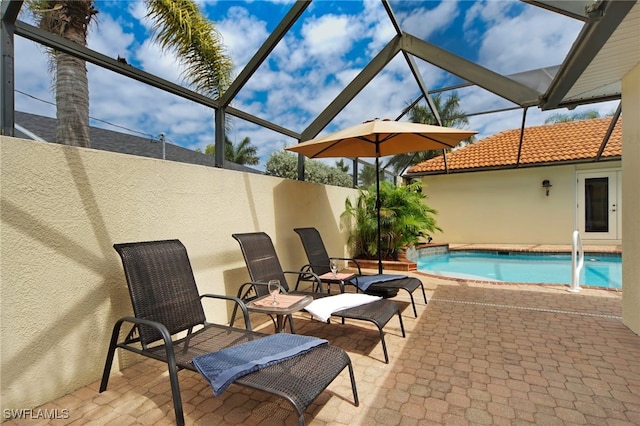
x=322, y=308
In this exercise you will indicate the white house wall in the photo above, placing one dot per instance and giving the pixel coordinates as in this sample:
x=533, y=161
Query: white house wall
x=507, y=206
x=631, y=197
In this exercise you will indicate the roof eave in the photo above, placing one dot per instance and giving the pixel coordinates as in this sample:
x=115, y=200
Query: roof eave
x=513, y=166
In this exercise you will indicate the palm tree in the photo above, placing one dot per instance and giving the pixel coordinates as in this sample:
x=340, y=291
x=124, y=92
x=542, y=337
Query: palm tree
x=178, y=25
x=367, y=176
x=341, y=165
x=71, y=20
x=451, y=115
x=243, y=153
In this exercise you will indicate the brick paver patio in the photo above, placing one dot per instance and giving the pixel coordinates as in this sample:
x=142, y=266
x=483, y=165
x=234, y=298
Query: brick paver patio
x=478, y=354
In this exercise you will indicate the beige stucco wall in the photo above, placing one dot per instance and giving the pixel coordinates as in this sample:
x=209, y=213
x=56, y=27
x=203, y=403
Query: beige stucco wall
x=631, y=197
x=62, y=209
x=507, y=206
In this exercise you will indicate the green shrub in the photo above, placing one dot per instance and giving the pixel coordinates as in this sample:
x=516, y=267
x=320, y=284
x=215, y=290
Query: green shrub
x=404, y=219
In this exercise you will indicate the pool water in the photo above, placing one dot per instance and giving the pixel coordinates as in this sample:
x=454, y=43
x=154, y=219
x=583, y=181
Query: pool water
x=598, y=270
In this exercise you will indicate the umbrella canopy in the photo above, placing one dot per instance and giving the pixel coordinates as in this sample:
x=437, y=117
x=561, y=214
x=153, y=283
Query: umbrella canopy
x=379, y=138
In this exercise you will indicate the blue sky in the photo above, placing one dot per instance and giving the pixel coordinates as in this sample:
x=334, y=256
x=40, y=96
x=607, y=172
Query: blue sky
x=323, y=52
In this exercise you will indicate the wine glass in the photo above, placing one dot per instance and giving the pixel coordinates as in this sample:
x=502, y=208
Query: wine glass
x=333, y=265
x=274, y=289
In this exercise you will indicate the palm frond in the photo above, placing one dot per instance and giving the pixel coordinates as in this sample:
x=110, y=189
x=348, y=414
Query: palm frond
x=180, y=26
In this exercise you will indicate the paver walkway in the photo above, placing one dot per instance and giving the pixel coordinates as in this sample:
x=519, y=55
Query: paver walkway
x=478, y=354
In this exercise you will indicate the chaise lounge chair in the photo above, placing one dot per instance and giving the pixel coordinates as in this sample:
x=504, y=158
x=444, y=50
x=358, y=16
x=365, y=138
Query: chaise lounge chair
x=166, y=302
x=319, y=264
x=263, y=265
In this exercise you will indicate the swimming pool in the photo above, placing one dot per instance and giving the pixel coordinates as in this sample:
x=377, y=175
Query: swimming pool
x=599, y=270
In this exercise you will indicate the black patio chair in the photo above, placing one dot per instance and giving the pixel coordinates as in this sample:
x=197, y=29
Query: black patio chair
x=263, y=265
x=319, y=261
x=166, y=302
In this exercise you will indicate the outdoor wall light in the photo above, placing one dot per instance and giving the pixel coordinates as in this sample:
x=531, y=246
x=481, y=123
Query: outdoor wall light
x=546, y=184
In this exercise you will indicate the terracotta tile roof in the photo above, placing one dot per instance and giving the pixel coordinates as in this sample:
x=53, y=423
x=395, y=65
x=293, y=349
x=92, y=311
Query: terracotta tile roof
x=555, y=143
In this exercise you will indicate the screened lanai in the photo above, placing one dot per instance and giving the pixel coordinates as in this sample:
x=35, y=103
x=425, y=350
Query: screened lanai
x=300, y=69
x=386, y=62
x=374, y=59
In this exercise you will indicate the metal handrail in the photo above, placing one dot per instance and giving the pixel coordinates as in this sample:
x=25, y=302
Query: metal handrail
x=577, y=262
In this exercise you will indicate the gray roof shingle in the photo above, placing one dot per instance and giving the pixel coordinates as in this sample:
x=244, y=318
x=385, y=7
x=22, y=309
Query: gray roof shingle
x=108, y=140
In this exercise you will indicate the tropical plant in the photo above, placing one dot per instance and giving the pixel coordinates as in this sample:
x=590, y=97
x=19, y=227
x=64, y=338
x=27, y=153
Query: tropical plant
x=285, y=164
x=451, y=115
x=340, y=164
x=242, y=153
x=178, y=25
x=405, y=218
x=367, y=176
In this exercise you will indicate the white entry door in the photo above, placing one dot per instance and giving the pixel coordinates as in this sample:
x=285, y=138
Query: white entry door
x=599, y=205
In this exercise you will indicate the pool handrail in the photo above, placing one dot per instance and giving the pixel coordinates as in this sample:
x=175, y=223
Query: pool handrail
x=577, y=262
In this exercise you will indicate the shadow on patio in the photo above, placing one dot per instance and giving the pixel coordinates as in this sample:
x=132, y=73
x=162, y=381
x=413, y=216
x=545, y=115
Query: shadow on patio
x=477, y=354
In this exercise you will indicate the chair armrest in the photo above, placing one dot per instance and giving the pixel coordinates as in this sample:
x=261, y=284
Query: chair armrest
x=311, y=277
x=242, y=293
x=164, y=332
x=238, y=303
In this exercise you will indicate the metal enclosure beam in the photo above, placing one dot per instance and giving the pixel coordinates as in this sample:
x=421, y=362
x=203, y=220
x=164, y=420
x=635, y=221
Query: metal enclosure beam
x=352, y=89
x=59, y=43
x=9, y=11
x=267, y=47
x=423, y=87
x=607, y=136
x=573, y=9
x=593, y=36
x=471, y=72
x=56, y=42
x=413, y=67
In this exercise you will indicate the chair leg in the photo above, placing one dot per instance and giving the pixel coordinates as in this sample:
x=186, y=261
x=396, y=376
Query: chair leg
x=110, y=354
x=233, y=315
x=356, y=401
x=171, y=361
x=424, y=294
x=413, y=304
x=401, y=323
x=384, y=345
x=291, y=326
x=175, y=388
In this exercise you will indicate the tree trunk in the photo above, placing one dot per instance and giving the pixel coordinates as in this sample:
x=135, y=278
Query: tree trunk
x=72, y=100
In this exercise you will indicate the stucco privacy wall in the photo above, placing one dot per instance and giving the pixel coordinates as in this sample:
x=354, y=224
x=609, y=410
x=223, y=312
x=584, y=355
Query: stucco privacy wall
x=62, y=208
x=631, y=197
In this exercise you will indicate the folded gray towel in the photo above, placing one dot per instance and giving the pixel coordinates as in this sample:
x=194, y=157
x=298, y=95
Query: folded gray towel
x=223, y=367
x=364, y=281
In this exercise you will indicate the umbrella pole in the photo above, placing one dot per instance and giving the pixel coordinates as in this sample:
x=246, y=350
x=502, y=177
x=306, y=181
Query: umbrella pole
x=378, y=204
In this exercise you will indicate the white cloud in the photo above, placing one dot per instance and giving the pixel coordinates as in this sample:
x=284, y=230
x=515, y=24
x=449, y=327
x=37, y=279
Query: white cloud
x=330, y=35
x=307, y=70
x=534, y=39
x=33, y=79
x=423, y=22
x=109, y=38
x=243, y=34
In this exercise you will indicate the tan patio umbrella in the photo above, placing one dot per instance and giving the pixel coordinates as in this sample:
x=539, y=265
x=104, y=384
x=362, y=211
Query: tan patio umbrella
x=379, y=138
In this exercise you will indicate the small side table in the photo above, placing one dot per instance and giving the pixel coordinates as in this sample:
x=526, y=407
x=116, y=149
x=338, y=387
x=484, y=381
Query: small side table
x=339, y=278
x=280, y=311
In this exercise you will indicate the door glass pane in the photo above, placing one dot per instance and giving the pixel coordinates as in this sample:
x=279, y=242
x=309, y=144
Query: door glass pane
x=596, y=197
